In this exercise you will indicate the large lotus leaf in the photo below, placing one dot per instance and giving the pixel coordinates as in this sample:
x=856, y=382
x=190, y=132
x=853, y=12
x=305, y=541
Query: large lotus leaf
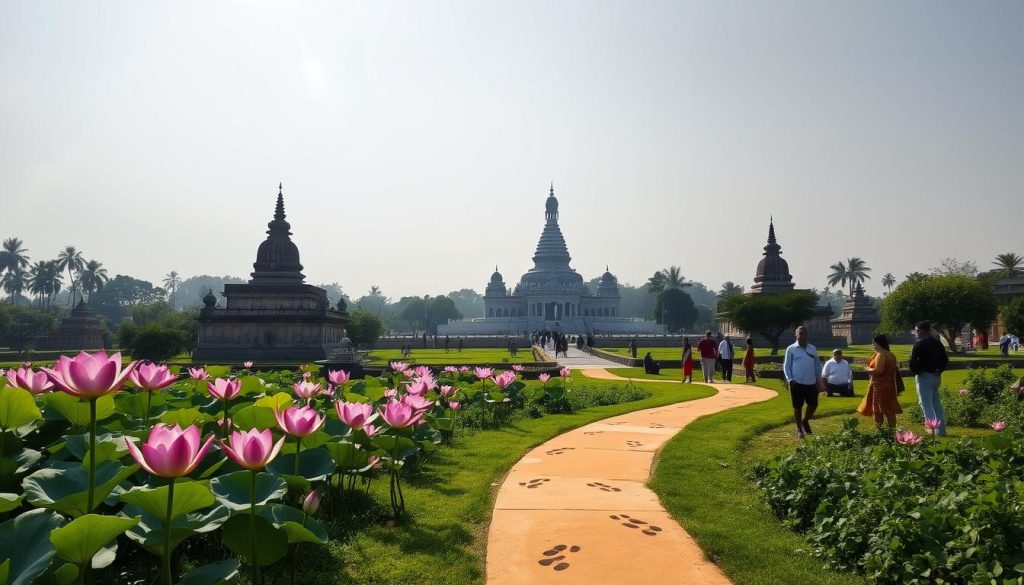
x=212, y=574
x=64, y=574
x=311, y=442
x=275, y=402
x=133, y=404
x=234, y=490
x=406, y=447
x=5, y=570
x=254, y=417
x=189, y=496
x=298, y=526
x=23, y=460
x=64, y=486
x=25, y=540
x=218, y=371
x=211, y=464
x=184, y=417
x=76, y=411
x=242, y=531
x=335, y=428
x=149, y=532
x=251, y=385
x=9, y=502
x=17, y=408
x=109, y=446
x=348, y=458
x=314, y=464
x=442, y=423
x=358, y=388
x=84, y=537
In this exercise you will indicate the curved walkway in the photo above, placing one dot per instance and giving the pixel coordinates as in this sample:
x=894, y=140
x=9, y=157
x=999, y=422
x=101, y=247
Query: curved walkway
x=576, y=509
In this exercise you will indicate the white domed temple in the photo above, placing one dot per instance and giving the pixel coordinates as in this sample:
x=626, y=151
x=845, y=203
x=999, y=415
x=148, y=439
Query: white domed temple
x=551, y=296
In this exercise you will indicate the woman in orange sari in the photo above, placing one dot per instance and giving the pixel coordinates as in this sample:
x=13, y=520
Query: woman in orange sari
x=687, y=362
x=881, y=400
x=748, y=362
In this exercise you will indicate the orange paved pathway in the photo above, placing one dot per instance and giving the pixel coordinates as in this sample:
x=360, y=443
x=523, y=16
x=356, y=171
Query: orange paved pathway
x=576, y=509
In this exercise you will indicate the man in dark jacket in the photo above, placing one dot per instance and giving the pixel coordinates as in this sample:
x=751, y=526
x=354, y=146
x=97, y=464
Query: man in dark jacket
x=928, y=360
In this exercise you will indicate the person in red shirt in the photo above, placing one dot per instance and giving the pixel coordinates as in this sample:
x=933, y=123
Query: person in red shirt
x=708, y=350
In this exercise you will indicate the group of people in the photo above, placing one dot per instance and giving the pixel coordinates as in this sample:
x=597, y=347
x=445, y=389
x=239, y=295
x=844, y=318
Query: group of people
x=1007, y=342
x=807, y=378
x=558, y=342
x=717, y=354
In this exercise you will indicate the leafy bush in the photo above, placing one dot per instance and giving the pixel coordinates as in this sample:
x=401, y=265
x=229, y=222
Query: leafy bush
x=987, y=395
x=903, y=513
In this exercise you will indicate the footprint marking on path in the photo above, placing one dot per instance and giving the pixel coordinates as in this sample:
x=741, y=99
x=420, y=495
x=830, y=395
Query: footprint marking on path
x=630, y=522
x=604, y=487
x=559, y=451
x=552, y=559
x=534, y=483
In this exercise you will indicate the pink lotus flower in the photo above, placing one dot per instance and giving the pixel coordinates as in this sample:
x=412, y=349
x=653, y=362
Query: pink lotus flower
x=306, y=389
x=544, y=378
x=908, y=438
x=483, y=373
x=418, y=388
x=932, y=423
x=400, y=416
x=370, y=430
x=422, y=371
x=26, y=379
x=518, y=367
x=252, y=449
x=224, y=424
x=89, y=376
x=390, y=393
x=463, y=369
x=408, y=374
x=430, y=381
x=338, y=377
x=354, y=414
x=399, y=366
x=150, y=377
x=455, y=406
x=329, y=391
x=224, y=389
x=449, y=391
x=299, y=421
x=170, y=451
x=198, y=374
x=998, y=425
x=450, y=369
x=504, y=379
x=311, y=503
x=964, y=392
x=418, y=403
x=247, y=364
x=564, y=372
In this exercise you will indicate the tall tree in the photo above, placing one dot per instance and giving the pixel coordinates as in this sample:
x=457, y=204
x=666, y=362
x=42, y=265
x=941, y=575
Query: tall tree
x=889, y=281
x=14, y=282
x=839, y=275
x=71, y=259
x=93, y=277
x=675, y=309
x=667, y=279
x=171, y=283
x=949, y=301
x=954, y=267
x=729, y=288
x=1009, y=264
x=770, y=315
x=14, y=255
x=856, y=272
x=45, y=281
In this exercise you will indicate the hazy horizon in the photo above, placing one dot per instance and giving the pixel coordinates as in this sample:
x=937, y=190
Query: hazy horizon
x=416, y=141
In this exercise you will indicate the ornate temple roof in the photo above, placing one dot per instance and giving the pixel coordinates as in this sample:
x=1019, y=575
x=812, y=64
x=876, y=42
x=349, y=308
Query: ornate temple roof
x=772, y=271
x=277, y=260
x=551, y=270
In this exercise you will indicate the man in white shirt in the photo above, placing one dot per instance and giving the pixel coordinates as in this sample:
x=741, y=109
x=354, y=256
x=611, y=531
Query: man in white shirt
x=838, y=375
x=802, y=368
x=725, y=358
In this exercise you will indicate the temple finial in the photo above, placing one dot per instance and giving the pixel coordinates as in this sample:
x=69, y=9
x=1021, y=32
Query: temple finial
x=606, y=268
x=279, y=208
x=280, y=186
x=552, y=192
x=771, y=230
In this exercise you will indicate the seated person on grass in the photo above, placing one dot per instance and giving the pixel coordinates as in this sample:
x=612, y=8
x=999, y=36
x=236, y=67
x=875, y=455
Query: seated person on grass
x=651, y=366
x=838, y=375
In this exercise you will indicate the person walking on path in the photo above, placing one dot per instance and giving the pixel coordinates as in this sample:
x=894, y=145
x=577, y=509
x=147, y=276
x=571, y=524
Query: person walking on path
x=687, y=361
x=838, y=375
x=725, y=355
x=928, y=360
x=632, y=348
x=803, y=376
x=881, y=400
x=708, y=351
x=748, y=362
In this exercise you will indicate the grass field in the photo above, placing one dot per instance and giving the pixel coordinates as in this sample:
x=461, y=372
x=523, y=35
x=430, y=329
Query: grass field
x=702, y=477
x=902, y=352
x=439, y=357
x=443, y=539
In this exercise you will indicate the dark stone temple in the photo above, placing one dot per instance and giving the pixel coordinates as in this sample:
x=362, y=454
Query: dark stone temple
x=772, y=277
x=79, y=330
x=859, y=320
x=551, y=295
x=275, y=317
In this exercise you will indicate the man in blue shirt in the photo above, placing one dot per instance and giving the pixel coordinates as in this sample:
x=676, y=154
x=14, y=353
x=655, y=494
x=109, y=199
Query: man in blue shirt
x=802, y=368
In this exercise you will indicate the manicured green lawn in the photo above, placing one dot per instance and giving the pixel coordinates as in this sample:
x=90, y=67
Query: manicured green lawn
x=441, y=358
x=902, y=353
x=443, y=539
x=702, y=478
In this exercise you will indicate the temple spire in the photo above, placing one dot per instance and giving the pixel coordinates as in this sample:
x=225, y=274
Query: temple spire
x=551, y=193
x=279, y=208
x=771, y=230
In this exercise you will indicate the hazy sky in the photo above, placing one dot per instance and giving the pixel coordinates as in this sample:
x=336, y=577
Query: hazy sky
x=416, y=140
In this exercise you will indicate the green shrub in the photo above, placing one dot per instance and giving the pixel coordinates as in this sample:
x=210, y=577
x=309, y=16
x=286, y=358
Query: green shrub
x=987, y=395
x=928, y=513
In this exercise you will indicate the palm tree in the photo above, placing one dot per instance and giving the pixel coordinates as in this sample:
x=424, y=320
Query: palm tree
x=1009, y=264
x=46, y=280
x=13, y=256
x=14, y=283
x=93, y=277
x=667, y=279
x=171, y=282
x=888, y=281
x=71, y=259
x=729, y=288
x=856, y=272
x=839, y=275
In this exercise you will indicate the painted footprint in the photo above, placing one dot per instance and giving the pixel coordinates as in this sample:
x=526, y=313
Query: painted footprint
x=634, y=444
x=534, y=483
x=621, y=422
x=630, y=522
x=554, y=555
x=559, y=451
x=592, y=432
x=656, y=426
x=604, y=487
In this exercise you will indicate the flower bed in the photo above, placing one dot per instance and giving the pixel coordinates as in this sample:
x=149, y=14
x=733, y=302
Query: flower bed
x=210, y=472
x=986, y=396
x=905, y=509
